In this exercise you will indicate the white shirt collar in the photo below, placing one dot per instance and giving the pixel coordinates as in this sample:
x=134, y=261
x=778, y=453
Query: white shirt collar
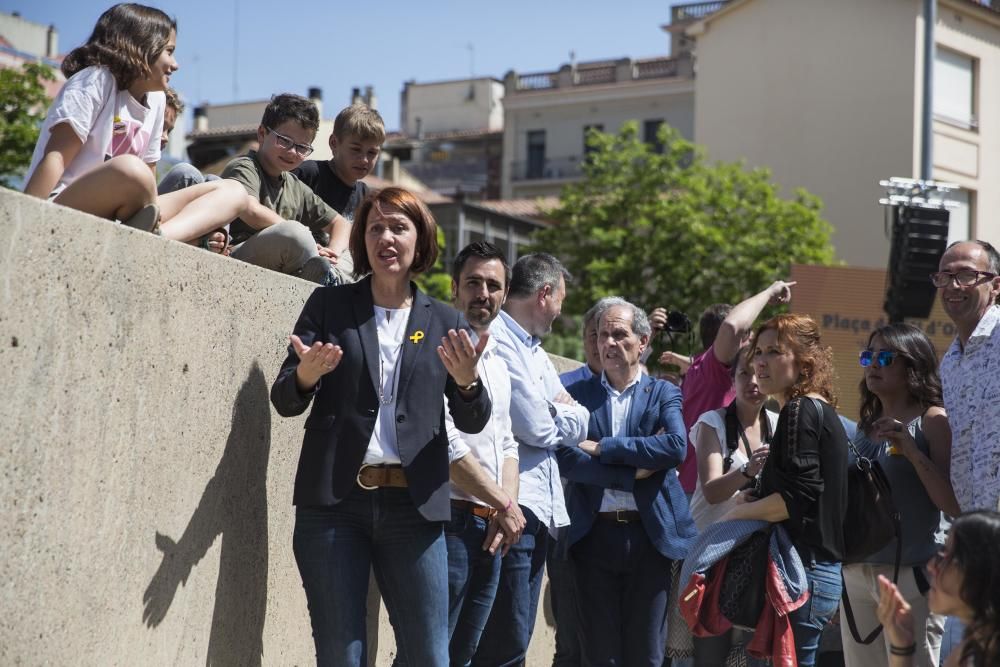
x=614, y=392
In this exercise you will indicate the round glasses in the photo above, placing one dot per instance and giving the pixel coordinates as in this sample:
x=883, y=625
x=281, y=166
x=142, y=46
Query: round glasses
x=883, y=358
x=966, y=278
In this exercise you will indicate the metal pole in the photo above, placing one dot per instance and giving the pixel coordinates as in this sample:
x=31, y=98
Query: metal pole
x=927, y=107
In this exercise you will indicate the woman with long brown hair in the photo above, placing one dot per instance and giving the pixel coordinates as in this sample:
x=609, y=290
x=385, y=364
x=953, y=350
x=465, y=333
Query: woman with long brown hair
x=804, y=481
x=904, y=427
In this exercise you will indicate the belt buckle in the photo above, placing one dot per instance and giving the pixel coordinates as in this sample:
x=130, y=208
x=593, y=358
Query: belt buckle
x=362, y=484
x=620, y=516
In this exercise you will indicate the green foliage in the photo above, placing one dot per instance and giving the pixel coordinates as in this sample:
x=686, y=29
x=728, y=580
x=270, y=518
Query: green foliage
x=437, y=281
x=23, y=104
x=669, y=229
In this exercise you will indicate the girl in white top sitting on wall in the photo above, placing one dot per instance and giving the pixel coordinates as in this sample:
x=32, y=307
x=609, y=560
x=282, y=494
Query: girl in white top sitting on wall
x=99, y=145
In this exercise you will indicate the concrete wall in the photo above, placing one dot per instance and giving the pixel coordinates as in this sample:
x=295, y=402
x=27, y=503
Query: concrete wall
x=146, y=481
x=820, y=92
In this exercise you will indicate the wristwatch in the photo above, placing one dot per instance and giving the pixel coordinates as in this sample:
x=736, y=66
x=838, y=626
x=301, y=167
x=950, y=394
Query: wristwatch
x=746, y=466
x=469, y=387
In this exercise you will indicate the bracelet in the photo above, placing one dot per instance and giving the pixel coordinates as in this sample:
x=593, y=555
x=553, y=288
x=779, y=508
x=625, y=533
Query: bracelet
x=903, y=650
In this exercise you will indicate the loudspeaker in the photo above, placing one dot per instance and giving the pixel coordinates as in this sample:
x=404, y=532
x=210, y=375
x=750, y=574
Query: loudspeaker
x=919, y=238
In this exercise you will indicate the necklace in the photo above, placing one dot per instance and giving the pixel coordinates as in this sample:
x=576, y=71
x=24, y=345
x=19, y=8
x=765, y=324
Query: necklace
x=387, y=393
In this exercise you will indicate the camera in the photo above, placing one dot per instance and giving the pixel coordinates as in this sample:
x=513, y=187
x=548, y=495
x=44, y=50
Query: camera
x=678, y=322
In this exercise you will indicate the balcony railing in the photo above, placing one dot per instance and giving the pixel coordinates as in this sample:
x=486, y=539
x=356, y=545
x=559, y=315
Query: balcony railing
x=695, y=10
x=539, y=81
x=602, y=72
x=591, y=75
x=548, y=169
x=655, y=68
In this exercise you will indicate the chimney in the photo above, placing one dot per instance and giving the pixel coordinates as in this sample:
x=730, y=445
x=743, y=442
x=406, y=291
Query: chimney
x=52, y=42
x=370, y=98
x=200, y=119
x=315, y=95
x=356, y=96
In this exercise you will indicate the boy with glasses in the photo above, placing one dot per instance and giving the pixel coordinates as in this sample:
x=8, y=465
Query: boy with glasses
x=277, y=230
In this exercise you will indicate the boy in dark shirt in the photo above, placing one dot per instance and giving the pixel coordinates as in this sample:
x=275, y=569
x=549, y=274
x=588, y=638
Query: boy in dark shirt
x=358, y=134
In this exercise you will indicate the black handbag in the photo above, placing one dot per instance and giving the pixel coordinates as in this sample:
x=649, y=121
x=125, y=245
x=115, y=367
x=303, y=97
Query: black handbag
x=743, y=591
x=871, y=521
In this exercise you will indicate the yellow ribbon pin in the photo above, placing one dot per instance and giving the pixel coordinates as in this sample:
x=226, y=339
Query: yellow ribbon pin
x=417, y=337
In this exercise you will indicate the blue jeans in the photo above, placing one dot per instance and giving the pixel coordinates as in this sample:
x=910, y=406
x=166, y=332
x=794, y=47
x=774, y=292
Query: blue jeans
x=512, y=620
x=182, y=175
x=809, y=620
x=473, y=575
x=335, y=546
x=622, y=590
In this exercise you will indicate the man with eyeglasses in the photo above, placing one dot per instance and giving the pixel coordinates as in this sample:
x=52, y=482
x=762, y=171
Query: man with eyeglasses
x=276, y=232
x=968, y=283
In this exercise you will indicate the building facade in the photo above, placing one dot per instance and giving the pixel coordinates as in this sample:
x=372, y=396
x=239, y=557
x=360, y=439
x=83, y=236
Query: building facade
x=828, y=96
x=547, y=115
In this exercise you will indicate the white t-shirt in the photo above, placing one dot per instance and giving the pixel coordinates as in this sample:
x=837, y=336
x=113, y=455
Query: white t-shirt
x=109, y=122
x=703, y=512
x=383, y=448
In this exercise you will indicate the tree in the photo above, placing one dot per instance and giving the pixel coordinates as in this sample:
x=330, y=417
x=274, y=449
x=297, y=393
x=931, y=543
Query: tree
x=23, y=104
x=436, y=282
x=663, y=227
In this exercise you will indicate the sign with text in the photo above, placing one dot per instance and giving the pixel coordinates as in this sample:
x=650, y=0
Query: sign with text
x=847, y=303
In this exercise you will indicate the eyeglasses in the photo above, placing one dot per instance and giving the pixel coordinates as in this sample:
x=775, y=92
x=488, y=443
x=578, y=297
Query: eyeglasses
x=284, y=143
x=883, y=358
x=966, y=278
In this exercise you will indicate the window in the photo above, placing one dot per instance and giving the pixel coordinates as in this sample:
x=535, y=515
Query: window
x=650, y=129
x=587, y=148
x=536, y=154
x=955, y=88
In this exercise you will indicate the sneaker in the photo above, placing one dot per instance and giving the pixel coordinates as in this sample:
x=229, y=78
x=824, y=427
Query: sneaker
x=146, y=219
x=316, y=269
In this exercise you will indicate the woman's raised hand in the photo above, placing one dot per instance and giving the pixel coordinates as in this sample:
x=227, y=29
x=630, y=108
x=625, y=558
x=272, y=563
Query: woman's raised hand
x=894, y=613
x=460, y=356
x=314, y=361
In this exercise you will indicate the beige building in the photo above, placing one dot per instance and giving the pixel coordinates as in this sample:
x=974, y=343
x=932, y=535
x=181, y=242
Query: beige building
x=828, y=96
x=547, y=115
x=450, y=106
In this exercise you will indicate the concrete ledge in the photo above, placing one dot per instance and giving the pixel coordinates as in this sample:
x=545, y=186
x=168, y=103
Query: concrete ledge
x=146, y=481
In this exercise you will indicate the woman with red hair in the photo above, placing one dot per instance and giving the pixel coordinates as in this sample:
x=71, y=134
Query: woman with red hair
x=804, y=481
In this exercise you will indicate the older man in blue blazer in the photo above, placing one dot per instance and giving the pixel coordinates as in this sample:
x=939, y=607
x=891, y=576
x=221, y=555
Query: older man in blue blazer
x=626, y=529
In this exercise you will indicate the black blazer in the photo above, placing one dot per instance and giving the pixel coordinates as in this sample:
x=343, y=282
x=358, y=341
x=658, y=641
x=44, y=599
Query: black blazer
x=342, y=419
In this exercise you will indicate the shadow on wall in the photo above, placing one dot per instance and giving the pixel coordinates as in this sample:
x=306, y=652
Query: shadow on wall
x=233, y=505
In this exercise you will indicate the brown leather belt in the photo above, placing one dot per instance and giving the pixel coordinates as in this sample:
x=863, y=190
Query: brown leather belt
x=372, y=477
x=619, y=516
x=475, y=509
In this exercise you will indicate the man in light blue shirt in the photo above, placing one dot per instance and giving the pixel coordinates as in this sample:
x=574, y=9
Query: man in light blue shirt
x=543, y=417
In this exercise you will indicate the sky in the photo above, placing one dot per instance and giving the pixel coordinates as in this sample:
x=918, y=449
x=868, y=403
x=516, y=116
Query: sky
x=242, y=50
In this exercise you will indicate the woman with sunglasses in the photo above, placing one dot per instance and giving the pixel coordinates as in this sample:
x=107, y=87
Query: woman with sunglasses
x=964, y=582
x=804, y=482
x=903, y=426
